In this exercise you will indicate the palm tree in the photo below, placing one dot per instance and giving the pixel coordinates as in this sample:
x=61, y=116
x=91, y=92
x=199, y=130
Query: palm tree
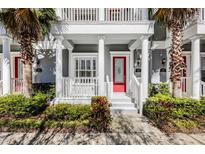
x=175, y=19
x=27, y=26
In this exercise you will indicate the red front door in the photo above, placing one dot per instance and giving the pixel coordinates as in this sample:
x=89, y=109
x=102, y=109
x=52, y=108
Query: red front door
x=119, y=74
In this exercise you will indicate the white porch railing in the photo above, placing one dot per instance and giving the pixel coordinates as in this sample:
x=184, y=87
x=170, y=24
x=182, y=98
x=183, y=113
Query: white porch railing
x=135, y=92
x=202, y=88
x=16, y=85
x=79, y=88
x=186, y=86
x=102, y=14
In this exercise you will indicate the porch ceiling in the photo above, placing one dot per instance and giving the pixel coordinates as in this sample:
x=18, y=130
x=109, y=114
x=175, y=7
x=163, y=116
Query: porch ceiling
x=109, y=38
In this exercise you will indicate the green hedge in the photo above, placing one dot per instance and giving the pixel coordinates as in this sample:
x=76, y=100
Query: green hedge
x=18, y=106
x=159, y=88
x=30, y=123
x=17, y=111
x=164, y=108
x=46, y=88
x=68, y=112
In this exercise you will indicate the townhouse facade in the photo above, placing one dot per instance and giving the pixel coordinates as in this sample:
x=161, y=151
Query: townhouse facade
x=114, y=52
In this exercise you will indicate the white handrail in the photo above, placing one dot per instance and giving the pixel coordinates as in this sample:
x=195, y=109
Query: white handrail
x=135, y=89
x=108, y=86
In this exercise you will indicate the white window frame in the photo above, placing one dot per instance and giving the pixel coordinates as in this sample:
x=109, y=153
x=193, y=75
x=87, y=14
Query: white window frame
x=84, y=56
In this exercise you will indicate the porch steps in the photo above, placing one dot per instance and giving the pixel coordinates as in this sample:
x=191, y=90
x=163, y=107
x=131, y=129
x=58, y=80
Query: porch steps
x=121, y=102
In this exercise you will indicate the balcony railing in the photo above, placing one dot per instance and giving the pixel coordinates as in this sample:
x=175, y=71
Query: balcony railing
x=102, y=14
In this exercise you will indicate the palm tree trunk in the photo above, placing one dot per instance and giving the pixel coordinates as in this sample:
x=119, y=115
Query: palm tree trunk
x=177, y=62
x=27, y=79
x=26, y=56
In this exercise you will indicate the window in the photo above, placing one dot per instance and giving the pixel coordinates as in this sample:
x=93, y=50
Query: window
x=85, y=67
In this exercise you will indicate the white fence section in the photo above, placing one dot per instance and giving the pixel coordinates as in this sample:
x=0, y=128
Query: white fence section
x=202, y=88
x=102, y=14
x=186, y=86
x=16, y=85
x=135, y=92
x=79, y=88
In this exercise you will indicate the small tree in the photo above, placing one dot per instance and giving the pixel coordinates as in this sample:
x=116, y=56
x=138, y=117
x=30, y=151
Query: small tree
x=27, y=26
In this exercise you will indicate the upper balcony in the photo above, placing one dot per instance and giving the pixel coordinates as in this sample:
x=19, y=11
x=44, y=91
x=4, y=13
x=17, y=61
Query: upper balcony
x=105, y=15
x=103, y=21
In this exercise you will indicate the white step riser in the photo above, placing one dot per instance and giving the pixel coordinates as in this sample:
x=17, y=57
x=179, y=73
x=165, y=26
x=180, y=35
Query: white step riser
x=120, y=100
x=123, y=105
x=128, y=109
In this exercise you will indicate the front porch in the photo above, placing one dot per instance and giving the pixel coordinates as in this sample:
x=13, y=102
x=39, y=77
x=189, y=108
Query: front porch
x=102, y=69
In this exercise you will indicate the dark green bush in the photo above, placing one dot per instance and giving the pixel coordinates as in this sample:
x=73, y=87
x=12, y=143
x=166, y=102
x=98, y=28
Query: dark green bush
x=18, y=106
x=68, y=112
x=164, y=109
x=46, y=88
x=101, y=117
x=159, y=88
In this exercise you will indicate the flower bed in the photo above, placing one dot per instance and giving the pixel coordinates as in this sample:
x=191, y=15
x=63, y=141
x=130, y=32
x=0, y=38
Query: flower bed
x=176, y=114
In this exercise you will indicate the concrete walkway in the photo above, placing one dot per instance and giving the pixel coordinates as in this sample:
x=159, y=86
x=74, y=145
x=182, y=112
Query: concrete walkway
x=127, y=128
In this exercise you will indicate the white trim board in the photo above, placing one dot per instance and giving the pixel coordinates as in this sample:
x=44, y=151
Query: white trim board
x=120, y=53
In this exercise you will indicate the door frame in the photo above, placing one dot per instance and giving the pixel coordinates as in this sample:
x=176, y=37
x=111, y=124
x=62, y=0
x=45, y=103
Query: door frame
x=124, y=73
x=120, y=54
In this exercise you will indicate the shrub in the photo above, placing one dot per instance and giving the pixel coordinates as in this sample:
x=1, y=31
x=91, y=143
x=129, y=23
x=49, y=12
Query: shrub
x=179, y=111
x=159, y=88
x=22, y=123
x=185, y=123
x=158, y=107
x=18, y=106
x=68, y=112
x=46, y=88
x=101, y=117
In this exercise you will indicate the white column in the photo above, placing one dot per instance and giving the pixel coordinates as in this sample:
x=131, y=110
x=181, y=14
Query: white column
x=145, y=68
x=131, y=63
x=6, y=68
x=101, y=14
x=59, y=13
x=101, y=66
x=195, y=67
x=70, y=64
x=59, y=67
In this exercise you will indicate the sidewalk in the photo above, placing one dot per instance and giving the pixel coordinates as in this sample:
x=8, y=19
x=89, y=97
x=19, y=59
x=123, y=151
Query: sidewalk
x=127, y=128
